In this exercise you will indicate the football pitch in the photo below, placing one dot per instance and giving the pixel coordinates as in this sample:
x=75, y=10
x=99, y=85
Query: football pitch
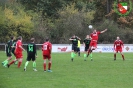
x=102, y=72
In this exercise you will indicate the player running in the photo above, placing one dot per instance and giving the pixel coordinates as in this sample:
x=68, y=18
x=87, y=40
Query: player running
x=46, y=51
x=18, y=52
x=118, y=47
x=86, y=44
x=74, y=40
x=93, y=44
x=8, y=51
x=31, y=54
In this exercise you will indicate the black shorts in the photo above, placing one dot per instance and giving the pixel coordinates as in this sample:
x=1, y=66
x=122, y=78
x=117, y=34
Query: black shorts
x=8, y=54
x=31, y=57
x=86, y=49
x=75, y=48
x=78, y=49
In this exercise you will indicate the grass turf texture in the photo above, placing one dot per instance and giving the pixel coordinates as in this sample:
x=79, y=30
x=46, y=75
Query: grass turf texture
x=102, y=72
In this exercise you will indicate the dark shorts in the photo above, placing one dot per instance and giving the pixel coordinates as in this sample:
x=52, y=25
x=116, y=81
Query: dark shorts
x=78, y=49
x=86, y=49
x=75, y=48
x=8, y=54
x=31, y=57
x=13, y=53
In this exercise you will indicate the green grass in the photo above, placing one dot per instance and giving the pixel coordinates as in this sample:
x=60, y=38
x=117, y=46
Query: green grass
x=102, y=72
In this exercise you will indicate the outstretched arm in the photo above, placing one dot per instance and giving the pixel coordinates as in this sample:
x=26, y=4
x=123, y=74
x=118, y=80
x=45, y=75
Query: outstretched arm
x=104, y=31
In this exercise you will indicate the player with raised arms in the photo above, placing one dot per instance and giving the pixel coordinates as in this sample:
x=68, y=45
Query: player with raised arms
x=86, y=44
x=94, y=35
x=31, y=54
x=74, y=40
x=18, y=52
x=118, y=47
x=46, y=51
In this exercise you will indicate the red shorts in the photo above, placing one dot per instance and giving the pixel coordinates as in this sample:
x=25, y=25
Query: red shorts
x=19, y=55
x=118, y=50
x=93, y=44
x=46, y=56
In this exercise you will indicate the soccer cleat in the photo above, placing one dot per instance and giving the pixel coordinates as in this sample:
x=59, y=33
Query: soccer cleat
x=34, y=70
x=2, y=63
x=87, y=55
x=72, y=59
x=114, y=59
x=85, y=60
x=24, y=69
x=49, y=71
x=91, y=59
x=44, y=70
x=8, y=65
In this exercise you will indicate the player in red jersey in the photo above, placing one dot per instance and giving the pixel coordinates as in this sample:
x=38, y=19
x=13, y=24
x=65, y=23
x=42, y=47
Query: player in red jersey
x=18, y=52
x=46, y=51
x=118, y=47
x=93, y=44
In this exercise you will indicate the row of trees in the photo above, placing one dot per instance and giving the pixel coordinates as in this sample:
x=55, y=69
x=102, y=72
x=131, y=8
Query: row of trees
x=60, y=19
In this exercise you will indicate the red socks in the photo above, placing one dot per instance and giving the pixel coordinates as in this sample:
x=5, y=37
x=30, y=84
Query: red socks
x=19, y=63
x=44, y=66
x=49, y=66
x=11, y=62
x=123, y=57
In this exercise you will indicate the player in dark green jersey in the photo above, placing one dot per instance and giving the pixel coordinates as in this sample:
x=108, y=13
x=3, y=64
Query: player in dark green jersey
x=8, y=51
x=31, y=54
x=86, y=43
x=74, y=40
x=13, y=49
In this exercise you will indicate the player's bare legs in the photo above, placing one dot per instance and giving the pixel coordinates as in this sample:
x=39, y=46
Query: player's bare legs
x=44, y=65
x=122, y=56
x=13, y=61
x=49, y=65
x=90, y=52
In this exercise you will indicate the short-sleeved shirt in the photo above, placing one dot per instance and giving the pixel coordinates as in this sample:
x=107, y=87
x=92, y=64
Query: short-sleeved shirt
x=31, y=49
x=75, y=41
x=17, y=48
x=87, y=42
x=118, y=44
x=8, y=46
x=46, y=48
x=94, y=36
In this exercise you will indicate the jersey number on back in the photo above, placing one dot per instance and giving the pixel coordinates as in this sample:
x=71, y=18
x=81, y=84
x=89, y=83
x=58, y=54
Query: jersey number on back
x=30, y=48
x=45, y=47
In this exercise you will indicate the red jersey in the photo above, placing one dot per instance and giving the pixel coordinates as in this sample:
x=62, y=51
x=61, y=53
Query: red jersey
x=94, y=36
x=118, y=44
x=17, y=48
x=46, y=48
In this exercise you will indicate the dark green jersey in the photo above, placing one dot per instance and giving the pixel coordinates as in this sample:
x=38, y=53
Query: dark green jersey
x=31, y=48
x=8, y=45
x=75, y=41
x=14, y=44
x=87, y=41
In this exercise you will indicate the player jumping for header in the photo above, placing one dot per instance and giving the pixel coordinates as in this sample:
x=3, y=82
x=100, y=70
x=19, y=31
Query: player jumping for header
x=93, y=44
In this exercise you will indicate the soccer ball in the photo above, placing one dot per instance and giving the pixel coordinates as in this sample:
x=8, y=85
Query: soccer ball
x=90, y=26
